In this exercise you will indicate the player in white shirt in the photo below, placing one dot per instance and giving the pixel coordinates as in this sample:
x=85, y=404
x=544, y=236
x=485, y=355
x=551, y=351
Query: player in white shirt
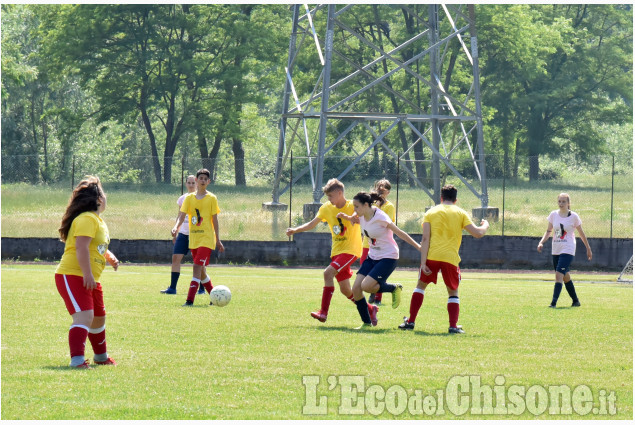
x=564, y=222
x=382, y=255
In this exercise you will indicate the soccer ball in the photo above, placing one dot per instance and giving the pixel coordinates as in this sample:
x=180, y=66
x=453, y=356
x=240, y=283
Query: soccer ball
x=220, y=296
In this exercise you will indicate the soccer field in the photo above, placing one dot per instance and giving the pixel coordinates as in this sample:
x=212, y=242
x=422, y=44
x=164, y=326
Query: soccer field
x=264, y=357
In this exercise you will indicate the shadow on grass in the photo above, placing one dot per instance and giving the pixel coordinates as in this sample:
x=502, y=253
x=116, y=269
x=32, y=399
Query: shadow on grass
x=392, y=330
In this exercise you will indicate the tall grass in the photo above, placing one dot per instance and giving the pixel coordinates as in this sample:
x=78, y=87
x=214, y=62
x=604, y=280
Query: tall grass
x=148, y=211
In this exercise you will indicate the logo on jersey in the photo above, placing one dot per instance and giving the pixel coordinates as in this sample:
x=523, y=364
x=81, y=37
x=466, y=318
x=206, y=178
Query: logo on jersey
x=561, y=233
x=339, y=229
x=102, y=248
x=196, y=221
x=372, y=240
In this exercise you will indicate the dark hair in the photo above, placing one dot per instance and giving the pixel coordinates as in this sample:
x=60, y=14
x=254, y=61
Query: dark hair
x=448, y=193
x=203, y=171
x=380, y=186
x=85, y=197
x=369, y=198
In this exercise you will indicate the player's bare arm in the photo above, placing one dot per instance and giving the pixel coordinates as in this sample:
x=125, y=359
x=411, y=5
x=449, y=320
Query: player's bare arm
x=83, y=258
x=478, y=231
x=219, y=245
x=179, y=221
x=425, y=246
x=112, y=260
x=403, y=236
x=352, y=218
x=545, y=237
x=589, y=253
x=303, y=228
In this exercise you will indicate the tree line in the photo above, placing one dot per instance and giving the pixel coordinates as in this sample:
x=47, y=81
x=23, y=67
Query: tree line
x=119, y=81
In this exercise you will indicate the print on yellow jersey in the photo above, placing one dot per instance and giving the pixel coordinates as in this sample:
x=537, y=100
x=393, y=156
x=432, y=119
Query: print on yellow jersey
x=446, y=232
x=346, y=236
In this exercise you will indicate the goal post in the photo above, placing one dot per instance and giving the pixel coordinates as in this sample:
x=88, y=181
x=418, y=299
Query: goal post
x=627, y=273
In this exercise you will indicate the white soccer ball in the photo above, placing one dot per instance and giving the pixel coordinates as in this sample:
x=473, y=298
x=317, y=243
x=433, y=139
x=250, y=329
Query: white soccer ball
x=220, y=296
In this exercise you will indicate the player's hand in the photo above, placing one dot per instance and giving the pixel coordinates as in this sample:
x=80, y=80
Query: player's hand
x=174, y=230
x=539, y=247
x=589, y=254
x=485, y=223
x=112, y=260
x=220, y=247
x=89, y=282
x=426, y=270
x=290, y=231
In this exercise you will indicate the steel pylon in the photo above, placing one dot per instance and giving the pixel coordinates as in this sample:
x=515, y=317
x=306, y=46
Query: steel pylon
x=350, y=54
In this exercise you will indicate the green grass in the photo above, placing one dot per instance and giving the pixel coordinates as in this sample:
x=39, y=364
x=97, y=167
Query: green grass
x=149, y=211
x=247, y=360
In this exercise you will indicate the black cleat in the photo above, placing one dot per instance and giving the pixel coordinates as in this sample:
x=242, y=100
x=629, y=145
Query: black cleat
x=576, y=303
x=406, y=324
x=457, y=330
x=188, y=304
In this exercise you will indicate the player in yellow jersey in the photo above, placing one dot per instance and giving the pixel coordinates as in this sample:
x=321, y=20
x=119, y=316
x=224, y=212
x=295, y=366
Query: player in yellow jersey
x=201, y=208
x=382, y=187
x=77, y=276
x=442, y=234
x=346, y=244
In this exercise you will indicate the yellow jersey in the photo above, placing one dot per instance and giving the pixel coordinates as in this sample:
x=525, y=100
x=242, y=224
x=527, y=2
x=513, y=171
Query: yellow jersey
x=346, y=236
x=86, y=224
x=199, y=215
x=446, y=232
x=389, y=209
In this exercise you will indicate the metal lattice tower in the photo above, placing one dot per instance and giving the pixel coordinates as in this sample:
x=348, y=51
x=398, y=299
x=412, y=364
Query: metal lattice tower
x=434, y=48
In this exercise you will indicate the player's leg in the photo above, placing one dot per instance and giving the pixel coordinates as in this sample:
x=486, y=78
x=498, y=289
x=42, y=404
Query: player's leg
x=97, y=331
x=565, y=264
x=206, y=282
x=201, y=256
x=452, y=277
x=557, y=287
x=328, y=274
x=377, y=283
x=179, y=250
x=416, y=301
x=79, y=303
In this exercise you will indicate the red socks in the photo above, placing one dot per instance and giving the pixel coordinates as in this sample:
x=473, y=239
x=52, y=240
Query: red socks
x=453, y=311
x=207, y=285
x=77, y=340
x=327, y=294
x=193, y=289
x=98, y=340
x=415, y=304
x=378, y=296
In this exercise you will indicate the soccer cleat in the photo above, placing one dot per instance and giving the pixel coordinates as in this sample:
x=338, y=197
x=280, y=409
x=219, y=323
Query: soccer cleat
x=188, y=304
x=457, y=330
x=364, y=326
x=84, y=365
x=319, y=316
x=373, y=314
x=168, y=291
x=576, y=303
x=371, y=299
x=406, y=325
x=552, y=306
x=201, y=289
x=396, y=295
x=108, y=362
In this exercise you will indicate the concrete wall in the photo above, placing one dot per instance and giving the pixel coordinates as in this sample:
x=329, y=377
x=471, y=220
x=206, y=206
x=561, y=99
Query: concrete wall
x=490, y=252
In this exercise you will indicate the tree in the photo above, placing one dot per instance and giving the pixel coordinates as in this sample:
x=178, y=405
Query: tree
x=150, y=61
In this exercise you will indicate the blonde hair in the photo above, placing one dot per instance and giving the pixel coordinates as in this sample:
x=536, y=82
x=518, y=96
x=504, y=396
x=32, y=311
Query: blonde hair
x=333, y=184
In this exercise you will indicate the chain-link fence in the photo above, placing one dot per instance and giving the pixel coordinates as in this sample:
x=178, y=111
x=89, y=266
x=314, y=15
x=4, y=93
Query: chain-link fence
x=524, y=189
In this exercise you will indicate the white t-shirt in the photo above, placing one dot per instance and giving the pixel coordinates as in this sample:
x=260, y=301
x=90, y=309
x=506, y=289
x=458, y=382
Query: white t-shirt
x=381, y=241
x=563, y=239
x=185, y=228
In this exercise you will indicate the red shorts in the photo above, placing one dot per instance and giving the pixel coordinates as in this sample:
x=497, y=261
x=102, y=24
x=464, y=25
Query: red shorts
x=451, y=274
x=201, y=255
x=364, y=255
x=342, y=263
x=76, y=297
